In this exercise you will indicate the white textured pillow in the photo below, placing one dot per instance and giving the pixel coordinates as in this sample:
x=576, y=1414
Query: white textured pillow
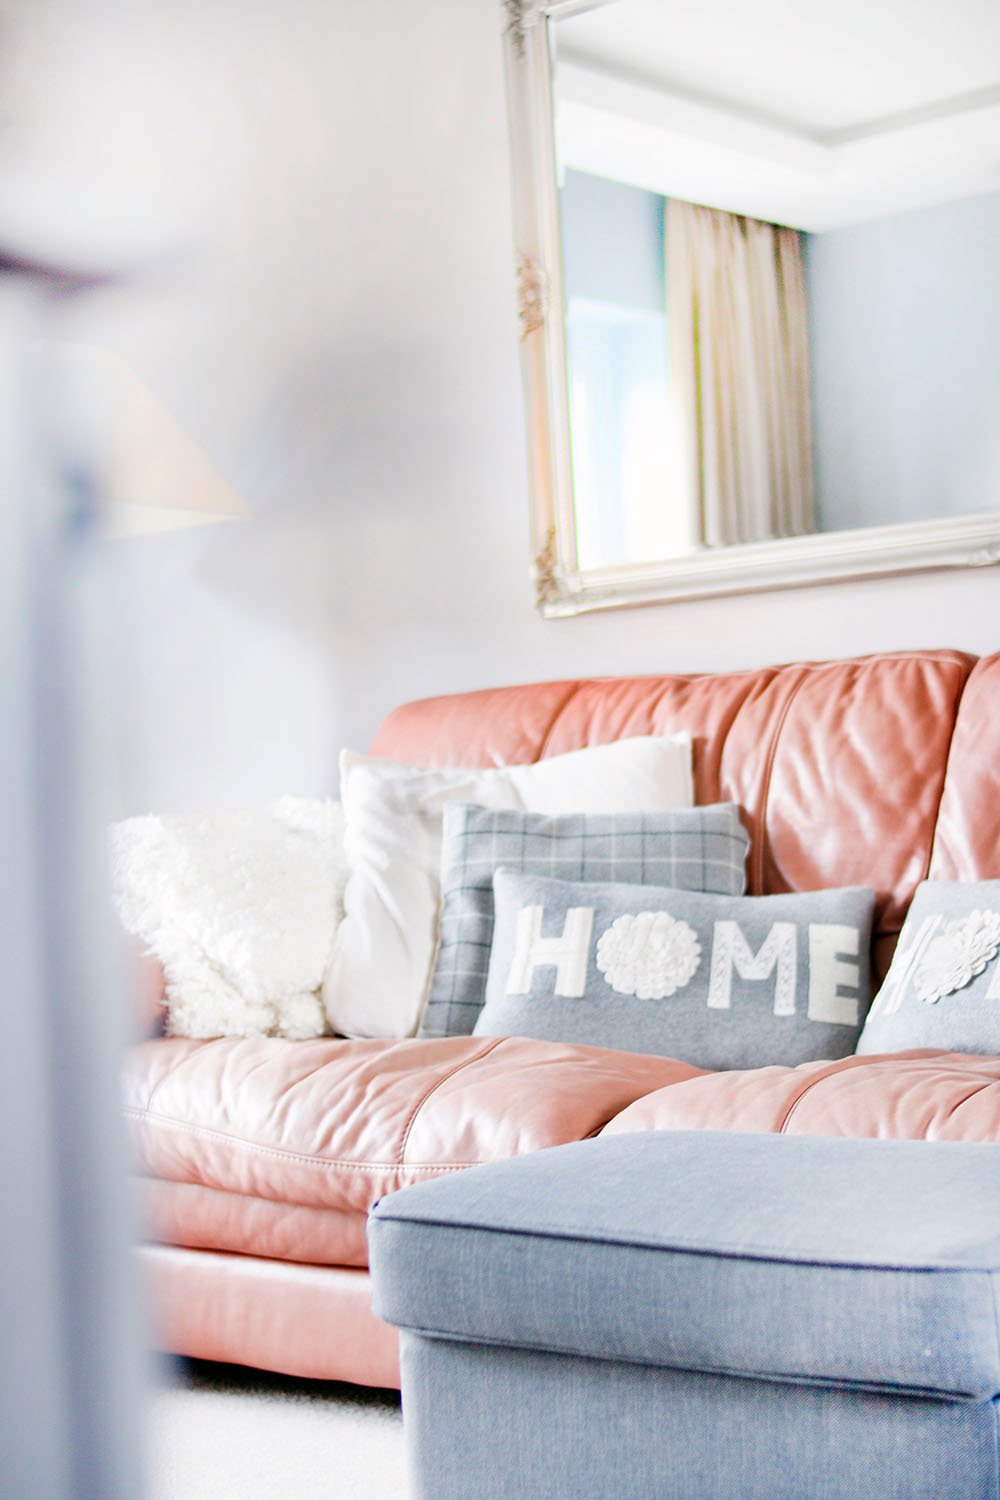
x=241, y=907
x=383, y=957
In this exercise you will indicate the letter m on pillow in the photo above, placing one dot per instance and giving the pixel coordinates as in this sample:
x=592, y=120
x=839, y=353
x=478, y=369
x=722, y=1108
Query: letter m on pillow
x=730, y=951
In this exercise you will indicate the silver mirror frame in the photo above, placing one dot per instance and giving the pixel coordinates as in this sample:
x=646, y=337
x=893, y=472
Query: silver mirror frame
x=561, y=586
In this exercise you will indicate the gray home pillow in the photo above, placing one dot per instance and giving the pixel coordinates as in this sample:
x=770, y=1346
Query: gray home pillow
x=718, y=981
x=698, y=848
x=943, y=988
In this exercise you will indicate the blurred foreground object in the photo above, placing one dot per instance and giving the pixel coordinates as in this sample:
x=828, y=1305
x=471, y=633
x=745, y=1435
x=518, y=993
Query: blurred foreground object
x=72, y=1375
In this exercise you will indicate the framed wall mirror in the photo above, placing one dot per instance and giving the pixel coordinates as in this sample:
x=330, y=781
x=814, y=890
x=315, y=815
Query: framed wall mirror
x=758, y=246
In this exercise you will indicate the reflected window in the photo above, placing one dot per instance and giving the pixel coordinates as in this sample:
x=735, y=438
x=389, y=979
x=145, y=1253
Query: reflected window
x=628, y=447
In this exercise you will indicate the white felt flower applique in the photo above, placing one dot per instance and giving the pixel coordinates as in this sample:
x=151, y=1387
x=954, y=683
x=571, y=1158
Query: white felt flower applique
x=954, y=959
x=649, y=954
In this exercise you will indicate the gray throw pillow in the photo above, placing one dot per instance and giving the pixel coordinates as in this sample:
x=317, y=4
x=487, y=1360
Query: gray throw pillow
x=943, y=988
x=718, y=981
x=698, y=848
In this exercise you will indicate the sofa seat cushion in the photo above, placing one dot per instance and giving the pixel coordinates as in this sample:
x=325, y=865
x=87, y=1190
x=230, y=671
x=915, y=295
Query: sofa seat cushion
x=204, y=1218
x=337, y=1124
x=861, y=1263
x=919, y=1095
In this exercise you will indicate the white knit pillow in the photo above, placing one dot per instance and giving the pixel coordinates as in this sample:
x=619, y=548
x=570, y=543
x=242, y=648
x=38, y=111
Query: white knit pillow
x=241, y=906
x=383, y=957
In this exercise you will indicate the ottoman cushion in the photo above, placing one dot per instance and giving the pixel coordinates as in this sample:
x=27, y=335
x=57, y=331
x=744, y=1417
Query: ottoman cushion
x=857, y=1263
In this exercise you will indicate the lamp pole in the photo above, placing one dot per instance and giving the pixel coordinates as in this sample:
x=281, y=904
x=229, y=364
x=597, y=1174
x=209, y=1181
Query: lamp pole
x=71, y=1367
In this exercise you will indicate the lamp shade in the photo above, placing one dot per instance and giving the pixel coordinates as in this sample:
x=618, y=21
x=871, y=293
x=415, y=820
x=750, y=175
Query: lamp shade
x=152, y=475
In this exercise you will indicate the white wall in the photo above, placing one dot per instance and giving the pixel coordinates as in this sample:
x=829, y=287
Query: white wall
x=346, y=354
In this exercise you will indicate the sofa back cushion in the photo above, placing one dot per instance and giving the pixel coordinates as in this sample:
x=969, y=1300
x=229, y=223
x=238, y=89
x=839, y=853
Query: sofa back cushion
x=842, y=768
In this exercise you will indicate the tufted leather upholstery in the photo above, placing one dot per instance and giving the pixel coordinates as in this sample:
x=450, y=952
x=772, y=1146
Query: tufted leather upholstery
x=842, y=768
x=260, y=1158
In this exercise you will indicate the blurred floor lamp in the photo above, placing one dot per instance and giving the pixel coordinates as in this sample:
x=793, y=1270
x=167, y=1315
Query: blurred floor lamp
x=153, y=476
x=71, y=1364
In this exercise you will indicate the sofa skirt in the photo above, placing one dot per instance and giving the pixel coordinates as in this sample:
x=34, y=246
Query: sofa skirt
x=315, y=1322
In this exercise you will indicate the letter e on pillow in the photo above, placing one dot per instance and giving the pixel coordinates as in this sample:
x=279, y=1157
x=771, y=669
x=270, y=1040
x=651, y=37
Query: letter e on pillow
x=832, y=974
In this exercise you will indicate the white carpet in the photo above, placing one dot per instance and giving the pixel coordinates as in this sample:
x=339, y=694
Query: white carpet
x=219, y=1432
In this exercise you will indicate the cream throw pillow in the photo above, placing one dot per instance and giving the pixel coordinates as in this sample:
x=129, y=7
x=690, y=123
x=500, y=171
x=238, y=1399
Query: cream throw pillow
x=379, y=974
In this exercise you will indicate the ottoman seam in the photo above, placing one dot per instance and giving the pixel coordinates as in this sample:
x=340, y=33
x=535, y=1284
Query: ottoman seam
x=771, y=1254
x=825, y=1382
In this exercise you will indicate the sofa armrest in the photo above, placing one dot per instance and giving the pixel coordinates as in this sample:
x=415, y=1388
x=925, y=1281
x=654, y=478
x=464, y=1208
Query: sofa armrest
x=146, y=986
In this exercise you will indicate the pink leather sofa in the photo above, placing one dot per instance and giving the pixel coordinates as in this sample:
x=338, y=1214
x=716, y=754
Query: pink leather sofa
x=258, y=1159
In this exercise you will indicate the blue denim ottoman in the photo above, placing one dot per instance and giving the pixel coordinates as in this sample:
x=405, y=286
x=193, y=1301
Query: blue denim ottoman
x=700, y=1316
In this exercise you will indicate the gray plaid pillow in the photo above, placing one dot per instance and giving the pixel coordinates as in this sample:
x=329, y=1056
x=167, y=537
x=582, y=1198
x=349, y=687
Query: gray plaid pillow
x=694, y=849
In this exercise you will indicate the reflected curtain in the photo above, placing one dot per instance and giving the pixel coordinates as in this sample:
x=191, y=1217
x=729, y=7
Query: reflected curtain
x=736, y=306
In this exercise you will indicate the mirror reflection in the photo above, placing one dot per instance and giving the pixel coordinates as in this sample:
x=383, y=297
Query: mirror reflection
x=780, y=231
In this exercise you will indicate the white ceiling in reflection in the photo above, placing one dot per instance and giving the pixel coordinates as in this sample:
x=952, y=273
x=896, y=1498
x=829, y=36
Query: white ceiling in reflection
x=813, y=114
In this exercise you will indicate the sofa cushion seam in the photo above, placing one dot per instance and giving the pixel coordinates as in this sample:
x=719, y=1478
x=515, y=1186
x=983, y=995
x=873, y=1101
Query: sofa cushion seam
x=546, y=740
x=932, y=841
x=144, y=1180
x=836, y=1070
x=833, y=1070
x=762, y=841
x=240, y=1143
x=490, y=1046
